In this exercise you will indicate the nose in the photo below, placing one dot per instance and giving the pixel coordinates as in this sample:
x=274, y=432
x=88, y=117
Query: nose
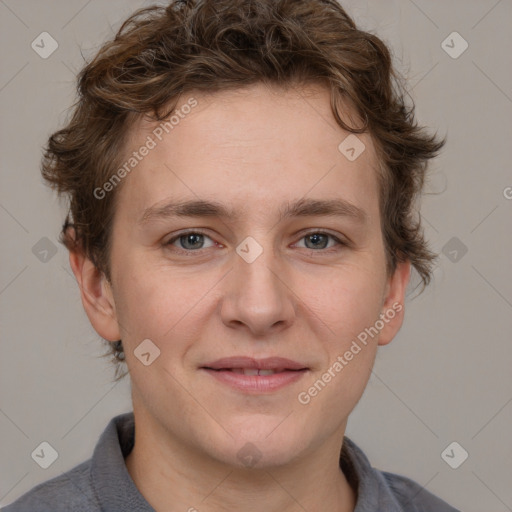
x=258, y=296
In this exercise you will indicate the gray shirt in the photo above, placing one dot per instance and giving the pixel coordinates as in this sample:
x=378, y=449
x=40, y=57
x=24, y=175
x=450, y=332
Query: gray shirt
x=103, y=484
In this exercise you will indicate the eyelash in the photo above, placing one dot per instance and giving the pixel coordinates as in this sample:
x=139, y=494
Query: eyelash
x=201, y=232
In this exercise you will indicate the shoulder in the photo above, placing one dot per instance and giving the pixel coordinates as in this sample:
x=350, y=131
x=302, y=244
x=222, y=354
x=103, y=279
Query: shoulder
x=412, y=496
x=71, y=490
x=384, y=491
x=99, y=483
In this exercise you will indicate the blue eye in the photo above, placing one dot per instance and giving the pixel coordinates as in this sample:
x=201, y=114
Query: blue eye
x=194, y=240
x=190, y=240
x=319, y=239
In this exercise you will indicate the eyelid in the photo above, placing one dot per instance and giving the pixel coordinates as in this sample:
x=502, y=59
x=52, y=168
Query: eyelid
x=176, y=236
x=323, y=231
x=341, y=240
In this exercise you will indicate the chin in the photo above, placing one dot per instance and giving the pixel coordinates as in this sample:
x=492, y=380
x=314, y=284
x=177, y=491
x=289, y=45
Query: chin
x=249, y=455
x=259, y=442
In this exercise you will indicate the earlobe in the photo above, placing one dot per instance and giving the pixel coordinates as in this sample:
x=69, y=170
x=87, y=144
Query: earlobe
x=97, y=297
x=393, y=308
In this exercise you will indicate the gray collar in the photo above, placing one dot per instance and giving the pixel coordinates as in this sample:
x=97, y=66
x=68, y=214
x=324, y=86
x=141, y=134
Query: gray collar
x=116, y=490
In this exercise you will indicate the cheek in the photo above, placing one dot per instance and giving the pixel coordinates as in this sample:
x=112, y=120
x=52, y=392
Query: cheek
x=348, y=302
x=146, y=304
x=350, y=306
x=162, y=304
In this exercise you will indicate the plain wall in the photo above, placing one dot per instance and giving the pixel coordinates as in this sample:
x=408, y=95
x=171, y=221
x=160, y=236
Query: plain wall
x=446, y=376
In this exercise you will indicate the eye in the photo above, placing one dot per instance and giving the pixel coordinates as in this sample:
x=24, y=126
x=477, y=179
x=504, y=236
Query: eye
x=194, y=240
x=190, y=241
x=319, y=240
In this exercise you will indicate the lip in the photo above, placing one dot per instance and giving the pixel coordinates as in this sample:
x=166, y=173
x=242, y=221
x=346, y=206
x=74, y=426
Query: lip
x=287, y=373
x=268, y=363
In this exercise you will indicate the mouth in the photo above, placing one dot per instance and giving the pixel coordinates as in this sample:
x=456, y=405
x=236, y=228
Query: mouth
x=256, y=375
x=253, y=371
x=243, y=363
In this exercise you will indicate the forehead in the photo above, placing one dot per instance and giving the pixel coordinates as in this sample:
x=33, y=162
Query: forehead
x=251, y=145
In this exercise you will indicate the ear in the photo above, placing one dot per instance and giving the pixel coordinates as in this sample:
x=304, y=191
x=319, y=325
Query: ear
x=97, y=297
x=393, y=307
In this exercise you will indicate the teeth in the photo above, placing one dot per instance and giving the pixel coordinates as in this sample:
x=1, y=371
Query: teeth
x=266, y=372
x=249, y=371
x=253, y=371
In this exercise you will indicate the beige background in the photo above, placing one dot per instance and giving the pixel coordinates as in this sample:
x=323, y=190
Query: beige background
x=446, y=377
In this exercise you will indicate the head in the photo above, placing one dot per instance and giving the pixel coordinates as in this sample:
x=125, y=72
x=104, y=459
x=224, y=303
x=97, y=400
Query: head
x=244, y=105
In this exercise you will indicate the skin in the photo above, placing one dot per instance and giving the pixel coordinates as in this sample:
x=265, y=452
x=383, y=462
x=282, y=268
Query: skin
x=252, y=149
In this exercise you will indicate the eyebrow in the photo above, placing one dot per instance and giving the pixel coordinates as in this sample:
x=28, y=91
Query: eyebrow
x=300, y=208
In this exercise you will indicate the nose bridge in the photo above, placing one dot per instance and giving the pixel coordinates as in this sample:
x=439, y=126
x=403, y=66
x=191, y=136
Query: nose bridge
x=257, y=295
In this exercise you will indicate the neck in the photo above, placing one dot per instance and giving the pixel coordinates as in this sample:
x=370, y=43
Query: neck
x=168, y=473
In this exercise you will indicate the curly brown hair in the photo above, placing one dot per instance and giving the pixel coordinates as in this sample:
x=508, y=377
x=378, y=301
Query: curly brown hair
x=160, y=53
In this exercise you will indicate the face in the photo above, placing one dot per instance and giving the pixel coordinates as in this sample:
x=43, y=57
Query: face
x=283, y=272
